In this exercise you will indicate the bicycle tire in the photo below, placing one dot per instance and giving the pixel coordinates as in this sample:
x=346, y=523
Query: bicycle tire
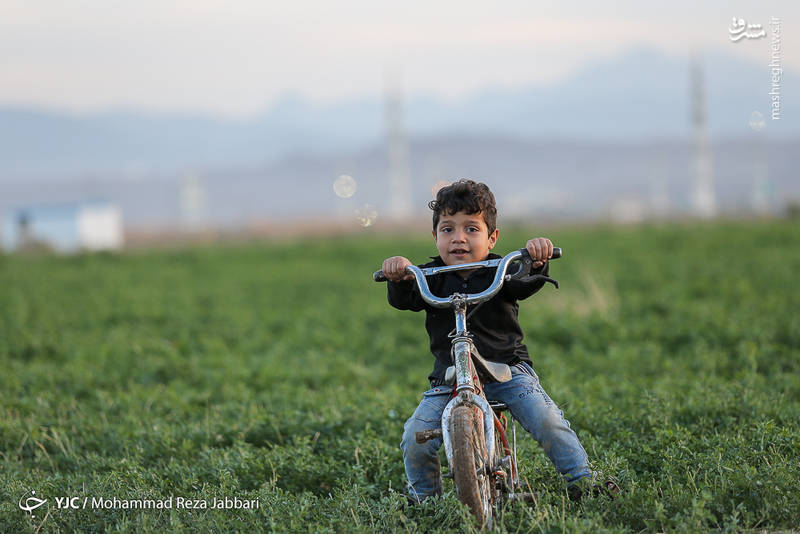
x=470, y=462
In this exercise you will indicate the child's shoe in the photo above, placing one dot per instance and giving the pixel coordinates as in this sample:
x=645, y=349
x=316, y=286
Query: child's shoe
x=584, y=487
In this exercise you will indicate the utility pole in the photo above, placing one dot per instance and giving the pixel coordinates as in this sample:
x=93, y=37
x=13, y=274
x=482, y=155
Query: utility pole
x=192, y=202
x=397, y=145
x=702, y=194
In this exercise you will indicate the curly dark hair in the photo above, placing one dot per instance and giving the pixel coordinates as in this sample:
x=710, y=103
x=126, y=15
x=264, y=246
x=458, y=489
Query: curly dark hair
x=468, y=196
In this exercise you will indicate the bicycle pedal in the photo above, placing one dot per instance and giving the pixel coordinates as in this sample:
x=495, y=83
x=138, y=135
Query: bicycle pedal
x=506, y=462
x=523, y=497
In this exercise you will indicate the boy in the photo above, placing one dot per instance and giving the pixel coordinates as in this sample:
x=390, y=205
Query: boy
x=464, y=230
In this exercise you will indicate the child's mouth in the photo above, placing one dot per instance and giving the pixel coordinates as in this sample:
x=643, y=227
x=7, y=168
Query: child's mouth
x=459, y=252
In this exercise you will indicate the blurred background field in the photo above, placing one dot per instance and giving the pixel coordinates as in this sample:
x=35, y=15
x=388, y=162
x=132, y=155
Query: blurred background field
x=129, y=124
x=193, y=196
x=277, y=370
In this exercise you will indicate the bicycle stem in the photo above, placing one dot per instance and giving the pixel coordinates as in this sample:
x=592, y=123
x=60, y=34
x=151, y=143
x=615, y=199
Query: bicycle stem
x=459, y=304
x=462, y=346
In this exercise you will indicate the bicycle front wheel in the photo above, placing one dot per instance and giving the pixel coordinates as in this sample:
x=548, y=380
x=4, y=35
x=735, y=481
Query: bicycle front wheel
x=470, y=462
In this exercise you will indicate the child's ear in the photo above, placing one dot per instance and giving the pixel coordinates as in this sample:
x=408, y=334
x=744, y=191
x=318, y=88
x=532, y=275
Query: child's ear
x=434, y=236
x=493, y=238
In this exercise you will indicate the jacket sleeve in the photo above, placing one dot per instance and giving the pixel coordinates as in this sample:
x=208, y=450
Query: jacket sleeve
x=523, y=288
x=404, y=295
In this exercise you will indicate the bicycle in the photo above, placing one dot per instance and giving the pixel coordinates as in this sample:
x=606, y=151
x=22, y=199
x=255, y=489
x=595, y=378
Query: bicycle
x=473, y=429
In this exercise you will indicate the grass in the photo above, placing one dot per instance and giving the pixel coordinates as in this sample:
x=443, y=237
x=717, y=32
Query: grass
x=278, y=372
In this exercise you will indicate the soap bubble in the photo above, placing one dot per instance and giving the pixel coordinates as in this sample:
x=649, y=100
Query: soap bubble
x=757, y=121
x=366, y=215
x=344, y=186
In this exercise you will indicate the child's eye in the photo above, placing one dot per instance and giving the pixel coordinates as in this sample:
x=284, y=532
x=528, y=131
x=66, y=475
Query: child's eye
x=445, y=229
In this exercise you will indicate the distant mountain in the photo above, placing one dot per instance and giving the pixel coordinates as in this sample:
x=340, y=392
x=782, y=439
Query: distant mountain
x=532, y=179
x=637, y=95
x=640, y=94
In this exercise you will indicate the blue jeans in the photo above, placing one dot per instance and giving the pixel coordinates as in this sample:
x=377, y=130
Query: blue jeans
x=529, y=404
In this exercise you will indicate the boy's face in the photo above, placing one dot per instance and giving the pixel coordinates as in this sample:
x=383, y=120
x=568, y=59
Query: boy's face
x=462, y=238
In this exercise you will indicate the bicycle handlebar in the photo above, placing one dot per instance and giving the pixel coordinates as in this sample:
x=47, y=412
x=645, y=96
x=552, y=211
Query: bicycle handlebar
x=474, y=298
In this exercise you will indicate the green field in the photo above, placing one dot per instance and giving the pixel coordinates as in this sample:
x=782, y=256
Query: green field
x=278, y=372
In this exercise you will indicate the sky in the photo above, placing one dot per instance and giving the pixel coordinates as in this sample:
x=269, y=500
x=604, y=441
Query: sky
x=235, y=58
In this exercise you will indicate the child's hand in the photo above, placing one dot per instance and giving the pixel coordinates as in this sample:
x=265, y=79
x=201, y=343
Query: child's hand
x=395, y=269
x=540, y=249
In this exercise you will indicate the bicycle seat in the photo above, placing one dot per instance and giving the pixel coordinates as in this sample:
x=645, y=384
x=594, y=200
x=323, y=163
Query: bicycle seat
x=499, y=372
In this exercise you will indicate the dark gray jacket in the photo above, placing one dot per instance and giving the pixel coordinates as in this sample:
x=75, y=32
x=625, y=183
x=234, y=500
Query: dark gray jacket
x=494, y=325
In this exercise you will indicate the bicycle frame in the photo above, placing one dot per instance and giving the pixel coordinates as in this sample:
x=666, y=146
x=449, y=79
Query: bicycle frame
x=468, y=389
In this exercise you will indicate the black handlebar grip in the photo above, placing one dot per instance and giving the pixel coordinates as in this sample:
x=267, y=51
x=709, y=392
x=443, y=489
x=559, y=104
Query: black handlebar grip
x=556, y=253
x=378, y=276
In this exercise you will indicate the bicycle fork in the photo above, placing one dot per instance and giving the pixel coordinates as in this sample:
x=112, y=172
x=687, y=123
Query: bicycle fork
x=467, y=383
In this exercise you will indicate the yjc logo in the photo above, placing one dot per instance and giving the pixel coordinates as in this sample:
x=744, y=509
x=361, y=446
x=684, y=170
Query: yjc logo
x=31, y=503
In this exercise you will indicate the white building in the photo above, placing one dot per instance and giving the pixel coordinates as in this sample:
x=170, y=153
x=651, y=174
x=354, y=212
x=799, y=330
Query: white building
x=70, y=227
